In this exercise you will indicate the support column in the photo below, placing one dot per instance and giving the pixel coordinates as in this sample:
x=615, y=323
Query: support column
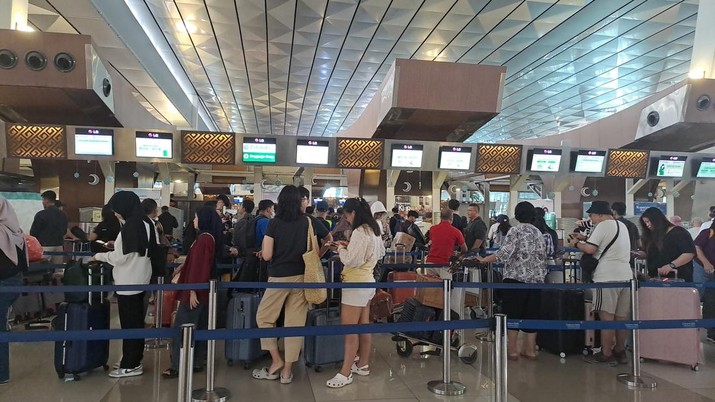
x=516, y=183
x=631, y=189
x=669, y=199
x=308, y=175
x=164, y=174
x=13, y=14
x=437, y=179
x=703, y=57
x=257, y=179
x=109, y=172
x=392, y=176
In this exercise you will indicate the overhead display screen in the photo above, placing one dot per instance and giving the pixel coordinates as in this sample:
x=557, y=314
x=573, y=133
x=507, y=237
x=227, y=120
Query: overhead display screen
x=259, y=150
x=544, y=160
x=588, y=161
x=706, y=170
x=668, y=166
x=151, y=144
x=455, y=158
x=407, y=155
x=93, y=141
x=314, y=152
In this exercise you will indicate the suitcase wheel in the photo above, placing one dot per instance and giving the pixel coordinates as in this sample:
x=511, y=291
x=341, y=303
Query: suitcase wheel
x=60, y=374
x=318, y=369
x=695, y=367
x=105, y=367
x=562, y=355
x=246, y=366
x=404, y=348
x=229, y=362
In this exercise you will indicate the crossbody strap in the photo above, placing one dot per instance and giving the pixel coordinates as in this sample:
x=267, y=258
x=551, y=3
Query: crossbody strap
x=618, y=230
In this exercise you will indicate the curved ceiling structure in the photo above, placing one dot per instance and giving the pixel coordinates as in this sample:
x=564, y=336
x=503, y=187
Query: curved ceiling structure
x=309, y=67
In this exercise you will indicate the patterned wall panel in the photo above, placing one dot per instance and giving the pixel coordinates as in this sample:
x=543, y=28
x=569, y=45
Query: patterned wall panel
x=627, y=163
x=504, y=159
x=208, y=148
x=360, y=153
x=36, y=141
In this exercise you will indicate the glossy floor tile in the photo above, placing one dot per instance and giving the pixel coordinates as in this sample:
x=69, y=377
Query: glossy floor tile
x=393, y=378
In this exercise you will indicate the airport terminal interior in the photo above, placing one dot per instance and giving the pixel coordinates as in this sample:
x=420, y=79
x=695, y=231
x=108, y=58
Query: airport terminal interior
x=542, y=118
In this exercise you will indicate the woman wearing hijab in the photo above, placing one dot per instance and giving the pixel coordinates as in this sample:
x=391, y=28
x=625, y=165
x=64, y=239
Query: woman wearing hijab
x=13, y=260
x=132, y=266
x=193, y=306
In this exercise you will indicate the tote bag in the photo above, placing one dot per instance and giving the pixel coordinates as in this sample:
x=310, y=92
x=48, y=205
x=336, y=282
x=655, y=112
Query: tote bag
x=313, y=269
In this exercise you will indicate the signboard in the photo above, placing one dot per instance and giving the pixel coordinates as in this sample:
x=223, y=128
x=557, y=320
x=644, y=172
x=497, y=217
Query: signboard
x=544, y=160
x=259, y=150
x=706, y=170
x=668, y=166
x=154, y=145
x=640, y=207
x=588, y=161
x=314, y=152
x=455, y=158
x=93, y=141
x=407, y=156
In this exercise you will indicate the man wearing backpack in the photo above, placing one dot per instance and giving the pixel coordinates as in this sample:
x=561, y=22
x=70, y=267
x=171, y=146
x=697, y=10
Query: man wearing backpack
x=252, y=237
x=240, y=228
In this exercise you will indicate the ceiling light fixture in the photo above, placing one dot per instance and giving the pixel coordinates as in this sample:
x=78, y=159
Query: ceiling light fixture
x=697, y=73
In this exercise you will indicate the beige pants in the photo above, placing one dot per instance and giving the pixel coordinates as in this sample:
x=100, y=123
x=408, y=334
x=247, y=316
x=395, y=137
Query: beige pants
x=296, y=310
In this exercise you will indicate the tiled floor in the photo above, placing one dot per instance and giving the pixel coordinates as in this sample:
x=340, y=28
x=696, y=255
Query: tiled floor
x=393, y=378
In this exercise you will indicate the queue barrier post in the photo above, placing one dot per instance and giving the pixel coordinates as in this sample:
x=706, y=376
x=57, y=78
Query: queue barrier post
x=186, y=363
x=488, y=336
x=158, y=343
x=500, y=357
x=634, y=379
x=446, y=386
x=210, y=393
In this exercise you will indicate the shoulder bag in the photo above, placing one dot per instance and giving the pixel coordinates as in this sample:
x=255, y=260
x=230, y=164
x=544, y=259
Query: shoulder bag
x=589, y=262
x=313, y=269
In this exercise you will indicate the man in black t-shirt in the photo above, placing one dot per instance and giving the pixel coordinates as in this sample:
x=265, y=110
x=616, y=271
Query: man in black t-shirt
x=619, y=212
x=168, y=222
x=396, y=221
x=476, y=231
x=50, y=226
x=457, y=221
x=321, y=231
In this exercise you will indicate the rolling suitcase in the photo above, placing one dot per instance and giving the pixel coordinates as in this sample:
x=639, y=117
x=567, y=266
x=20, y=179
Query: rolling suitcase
x=75, y=357
x=414, y=311
x=563, y=305
x=320, y=351
x=241, y=314
x=673, y=345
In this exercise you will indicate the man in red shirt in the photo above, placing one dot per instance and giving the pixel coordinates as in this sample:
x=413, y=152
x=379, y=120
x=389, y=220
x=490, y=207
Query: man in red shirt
x=444, y=238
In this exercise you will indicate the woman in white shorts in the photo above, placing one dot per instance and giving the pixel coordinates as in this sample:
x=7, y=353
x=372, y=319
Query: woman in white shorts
x=359, y=257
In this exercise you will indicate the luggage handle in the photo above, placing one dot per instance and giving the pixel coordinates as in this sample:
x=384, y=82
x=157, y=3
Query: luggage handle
x=90, y=267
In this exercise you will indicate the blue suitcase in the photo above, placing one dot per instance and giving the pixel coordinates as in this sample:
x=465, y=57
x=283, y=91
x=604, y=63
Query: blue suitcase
x=241, y=313
x=75, y=357
x=329, y=350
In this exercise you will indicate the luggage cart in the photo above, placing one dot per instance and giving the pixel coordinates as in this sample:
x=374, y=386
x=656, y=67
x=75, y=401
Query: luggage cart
x=467, y=353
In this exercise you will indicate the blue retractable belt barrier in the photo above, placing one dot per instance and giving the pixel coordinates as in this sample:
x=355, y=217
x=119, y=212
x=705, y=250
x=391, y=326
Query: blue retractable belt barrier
x=625, y=325
x=69, y=253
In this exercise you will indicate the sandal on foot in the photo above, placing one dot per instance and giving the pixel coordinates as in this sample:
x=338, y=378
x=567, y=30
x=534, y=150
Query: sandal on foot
x=170, y=373
x=528, y=357
x=513, y=357
x=263, y=374
x=287, y=380
x=339, y=381
x=362, y=371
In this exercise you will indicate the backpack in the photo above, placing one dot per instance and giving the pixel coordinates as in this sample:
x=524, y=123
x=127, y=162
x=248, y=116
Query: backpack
x=244, y=236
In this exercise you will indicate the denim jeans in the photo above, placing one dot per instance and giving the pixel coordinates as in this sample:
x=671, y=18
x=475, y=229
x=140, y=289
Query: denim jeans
x=186, y=315
x=6, y=300
x=699, y=276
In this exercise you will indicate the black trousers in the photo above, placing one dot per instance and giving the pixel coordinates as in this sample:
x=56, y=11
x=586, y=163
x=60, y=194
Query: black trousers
x=131, y=315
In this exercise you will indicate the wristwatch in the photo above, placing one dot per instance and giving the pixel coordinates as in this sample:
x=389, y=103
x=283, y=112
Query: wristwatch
x=672, y=266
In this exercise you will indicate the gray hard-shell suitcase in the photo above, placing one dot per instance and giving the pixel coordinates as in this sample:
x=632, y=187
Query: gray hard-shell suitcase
x=325, y=350
x=241, y=313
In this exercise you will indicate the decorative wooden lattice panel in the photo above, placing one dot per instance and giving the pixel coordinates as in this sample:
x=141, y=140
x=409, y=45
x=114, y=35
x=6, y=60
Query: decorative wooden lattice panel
x=208, y=148
x=504, y=159
x=627, y=163
x=360, y=154
x=36, y=141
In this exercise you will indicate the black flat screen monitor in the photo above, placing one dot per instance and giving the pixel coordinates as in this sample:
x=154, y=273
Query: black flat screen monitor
x=312, y=152
x=546, y=160
x=706, y=169
x=407, y=156
x=455, y=158
x=587, y=161
x=93, y=141
x=668, y=166
x=152, y=144
x=259, y=150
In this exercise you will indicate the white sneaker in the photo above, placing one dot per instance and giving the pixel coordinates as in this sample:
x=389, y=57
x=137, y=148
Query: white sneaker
x=119, y=365
x=339, y=381
x=361, y=371
x=127, y=372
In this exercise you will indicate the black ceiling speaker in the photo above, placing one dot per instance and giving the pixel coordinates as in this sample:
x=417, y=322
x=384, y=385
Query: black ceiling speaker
x=35, y=60
x=653, y=118
x=8, y=59
x=64, y=62
x=106, y=87
x=703, y=102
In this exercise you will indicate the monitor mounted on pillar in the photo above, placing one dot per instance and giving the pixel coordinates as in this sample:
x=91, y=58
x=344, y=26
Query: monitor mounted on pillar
x=544, y=160
x=587, y=161
x=668, y=166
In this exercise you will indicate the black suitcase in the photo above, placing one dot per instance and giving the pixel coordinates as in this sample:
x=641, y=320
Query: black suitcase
x=564, y=305
x=75, y=357
x=241, y=314
x=414, y=311
x=325, y=350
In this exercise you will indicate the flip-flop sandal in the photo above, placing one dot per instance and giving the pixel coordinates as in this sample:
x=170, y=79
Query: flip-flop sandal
x=263, y=374
x=287, y=380
x=170, y=373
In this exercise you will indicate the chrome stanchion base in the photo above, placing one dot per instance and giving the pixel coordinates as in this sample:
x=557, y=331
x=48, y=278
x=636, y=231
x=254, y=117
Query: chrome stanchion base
x=217, y=395
x=157, y=343
x=636, y=382
x=440, y=387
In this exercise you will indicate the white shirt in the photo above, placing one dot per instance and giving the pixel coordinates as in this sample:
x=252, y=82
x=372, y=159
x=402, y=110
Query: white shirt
x=129, y=269
x=614, y=266
x=705, y=225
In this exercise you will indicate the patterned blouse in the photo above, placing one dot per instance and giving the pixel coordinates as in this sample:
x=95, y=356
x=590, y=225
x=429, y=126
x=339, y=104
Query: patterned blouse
x=523, y=252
